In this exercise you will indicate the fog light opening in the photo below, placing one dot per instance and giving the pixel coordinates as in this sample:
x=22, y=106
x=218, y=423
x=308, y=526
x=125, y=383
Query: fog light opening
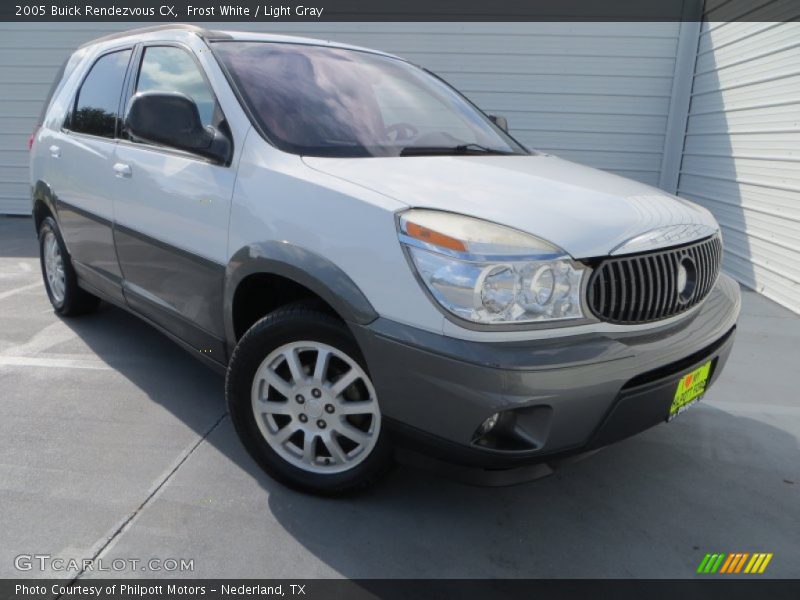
x=518, y=430
x=486, y=427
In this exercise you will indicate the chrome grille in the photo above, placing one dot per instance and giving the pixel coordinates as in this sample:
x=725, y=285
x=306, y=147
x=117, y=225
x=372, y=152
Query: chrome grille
x=647, y=287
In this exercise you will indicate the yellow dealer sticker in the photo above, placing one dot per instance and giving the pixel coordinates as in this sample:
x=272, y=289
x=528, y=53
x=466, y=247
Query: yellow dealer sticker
x=690, y=388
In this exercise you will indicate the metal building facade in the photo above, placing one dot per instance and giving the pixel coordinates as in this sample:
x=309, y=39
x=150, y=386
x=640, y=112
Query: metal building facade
x=709, y=111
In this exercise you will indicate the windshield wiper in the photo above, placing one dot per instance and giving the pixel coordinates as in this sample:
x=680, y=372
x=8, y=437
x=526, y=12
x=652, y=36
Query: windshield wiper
x=460, y=149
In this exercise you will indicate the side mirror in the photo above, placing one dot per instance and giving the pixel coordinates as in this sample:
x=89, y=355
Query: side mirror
x=501, y=122
x=172, y=119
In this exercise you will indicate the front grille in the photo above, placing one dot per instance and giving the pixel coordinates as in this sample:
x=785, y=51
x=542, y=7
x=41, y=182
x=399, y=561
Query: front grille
x=647, y=287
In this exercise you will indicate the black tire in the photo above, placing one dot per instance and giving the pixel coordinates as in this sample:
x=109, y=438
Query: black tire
x=296, y=322
x=75, y=301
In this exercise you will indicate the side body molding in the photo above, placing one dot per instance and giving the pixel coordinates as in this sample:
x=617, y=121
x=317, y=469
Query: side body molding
x=302, y=266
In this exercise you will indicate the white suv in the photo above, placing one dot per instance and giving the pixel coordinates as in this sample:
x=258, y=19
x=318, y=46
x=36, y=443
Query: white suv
x=373, y=260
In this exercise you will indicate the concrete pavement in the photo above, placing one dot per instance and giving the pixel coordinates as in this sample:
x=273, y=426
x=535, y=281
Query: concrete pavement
x=114, y=443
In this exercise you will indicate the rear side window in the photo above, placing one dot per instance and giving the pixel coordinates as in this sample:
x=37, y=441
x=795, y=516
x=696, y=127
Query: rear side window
x=97, y=103
x=171, y=69
x=57, y=84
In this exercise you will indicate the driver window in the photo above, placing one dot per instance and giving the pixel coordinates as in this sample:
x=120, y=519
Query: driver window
x=171, y=69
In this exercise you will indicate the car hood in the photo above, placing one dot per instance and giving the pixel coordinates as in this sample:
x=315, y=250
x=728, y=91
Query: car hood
x=586, y=212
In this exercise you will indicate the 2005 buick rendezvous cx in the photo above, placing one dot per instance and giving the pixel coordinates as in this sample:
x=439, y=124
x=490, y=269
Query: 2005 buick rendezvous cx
x=374, y=260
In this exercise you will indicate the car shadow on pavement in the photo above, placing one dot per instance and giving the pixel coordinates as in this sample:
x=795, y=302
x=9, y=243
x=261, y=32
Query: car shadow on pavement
x=650, y=506
x=647, y=507
x=166, y=373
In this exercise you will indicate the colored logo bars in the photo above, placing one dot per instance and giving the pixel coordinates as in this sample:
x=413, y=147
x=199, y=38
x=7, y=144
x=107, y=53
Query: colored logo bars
x=739, y=562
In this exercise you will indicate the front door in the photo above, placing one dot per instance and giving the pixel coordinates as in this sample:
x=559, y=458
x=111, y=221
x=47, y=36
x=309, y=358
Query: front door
x=171, y=211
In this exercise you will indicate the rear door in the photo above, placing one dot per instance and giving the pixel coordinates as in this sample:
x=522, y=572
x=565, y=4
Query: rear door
x=172, y=212
x=81, y=155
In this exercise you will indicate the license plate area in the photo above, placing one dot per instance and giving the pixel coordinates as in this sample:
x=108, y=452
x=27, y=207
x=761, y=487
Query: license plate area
x=690, y=389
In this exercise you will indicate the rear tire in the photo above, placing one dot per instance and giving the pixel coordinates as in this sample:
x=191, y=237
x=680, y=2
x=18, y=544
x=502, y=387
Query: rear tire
x=301, y=399
x=60, y=280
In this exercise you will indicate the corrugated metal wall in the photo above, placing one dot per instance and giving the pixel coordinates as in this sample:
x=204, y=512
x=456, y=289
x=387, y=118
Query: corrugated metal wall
x=741, y=155
x=597, y=93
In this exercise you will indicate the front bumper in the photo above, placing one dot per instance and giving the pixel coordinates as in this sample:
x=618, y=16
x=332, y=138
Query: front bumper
x=557, y=397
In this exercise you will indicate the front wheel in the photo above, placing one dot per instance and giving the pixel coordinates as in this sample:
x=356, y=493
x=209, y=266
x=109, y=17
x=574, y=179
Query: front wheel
x=303, y=403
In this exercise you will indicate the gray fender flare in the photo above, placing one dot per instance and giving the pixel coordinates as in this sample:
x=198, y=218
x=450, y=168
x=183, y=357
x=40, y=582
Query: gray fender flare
x=302, y=266
x=41, y=192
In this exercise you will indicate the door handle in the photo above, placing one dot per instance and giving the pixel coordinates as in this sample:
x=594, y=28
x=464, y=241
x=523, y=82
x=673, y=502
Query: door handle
x=55, y=151
x=122, y=170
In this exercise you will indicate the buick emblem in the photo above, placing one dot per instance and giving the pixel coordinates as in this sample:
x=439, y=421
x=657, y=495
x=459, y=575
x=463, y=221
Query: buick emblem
x=687, y=278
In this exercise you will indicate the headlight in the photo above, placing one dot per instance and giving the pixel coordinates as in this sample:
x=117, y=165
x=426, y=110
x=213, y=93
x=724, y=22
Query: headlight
x=488, y=273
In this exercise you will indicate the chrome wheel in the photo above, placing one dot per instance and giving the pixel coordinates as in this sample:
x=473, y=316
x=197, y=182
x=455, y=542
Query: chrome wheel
x=316, y=407
x=54, y=267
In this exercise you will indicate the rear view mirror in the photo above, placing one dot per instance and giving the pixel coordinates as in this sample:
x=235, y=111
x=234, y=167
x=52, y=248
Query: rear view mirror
x=501, y=122
x=172, y=119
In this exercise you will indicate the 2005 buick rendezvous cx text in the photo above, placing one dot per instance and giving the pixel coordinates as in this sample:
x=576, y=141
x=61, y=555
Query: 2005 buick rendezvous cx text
x=375, y=261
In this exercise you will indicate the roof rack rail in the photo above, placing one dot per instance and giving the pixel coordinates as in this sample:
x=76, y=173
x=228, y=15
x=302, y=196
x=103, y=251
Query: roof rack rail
x=202, y=32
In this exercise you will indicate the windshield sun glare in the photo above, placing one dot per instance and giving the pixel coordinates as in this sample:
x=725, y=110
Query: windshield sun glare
x=325, y=101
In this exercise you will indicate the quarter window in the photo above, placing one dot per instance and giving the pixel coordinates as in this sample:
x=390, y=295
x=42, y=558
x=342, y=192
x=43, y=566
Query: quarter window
x=97, y=104
x=171, y=69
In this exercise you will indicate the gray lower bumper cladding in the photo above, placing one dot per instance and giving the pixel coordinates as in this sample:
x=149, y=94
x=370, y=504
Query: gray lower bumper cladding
x=558, y=397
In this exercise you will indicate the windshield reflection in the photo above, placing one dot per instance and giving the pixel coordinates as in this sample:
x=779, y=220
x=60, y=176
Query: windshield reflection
x=323, y=101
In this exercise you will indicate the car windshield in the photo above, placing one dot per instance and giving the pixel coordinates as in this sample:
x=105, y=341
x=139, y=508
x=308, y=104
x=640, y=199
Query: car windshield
x=322, y=101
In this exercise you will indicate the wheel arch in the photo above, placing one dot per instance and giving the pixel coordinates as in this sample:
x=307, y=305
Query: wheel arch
x=44, y=203
x=297, y=270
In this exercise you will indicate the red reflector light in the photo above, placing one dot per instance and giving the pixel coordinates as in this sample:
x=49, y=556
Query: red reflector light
x=30, y=139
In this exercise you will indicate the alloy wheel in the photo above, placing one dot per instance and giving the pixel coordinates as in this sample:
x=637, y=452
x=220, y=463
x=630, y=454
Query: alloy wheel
x=54, y=267
x=316, y=407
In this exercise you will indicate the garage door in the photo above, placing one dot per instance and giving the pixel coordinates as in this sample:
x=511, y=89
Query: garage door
x=597, y=93
x=742, y=149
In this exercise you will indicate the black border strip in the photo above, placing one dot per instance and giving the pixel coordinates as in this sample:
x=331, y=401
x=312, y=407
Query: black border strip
x=706, y=587
x=406, y=10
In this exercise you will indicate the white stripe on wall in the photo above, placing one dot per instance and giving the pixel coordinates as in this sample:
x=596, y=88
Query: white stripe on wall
x=741, y=157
